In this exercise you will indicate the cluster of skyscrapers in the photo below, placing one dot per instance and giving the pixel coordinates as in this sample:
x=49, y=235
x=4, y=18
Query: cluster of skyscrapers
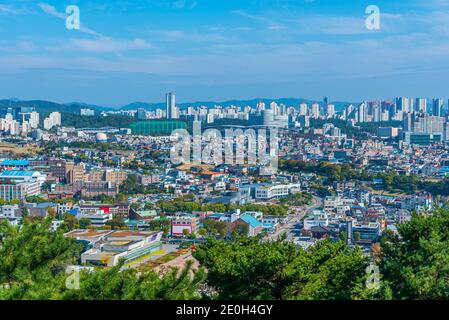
x=421, y=118
x=23, y=120
x=397, y=110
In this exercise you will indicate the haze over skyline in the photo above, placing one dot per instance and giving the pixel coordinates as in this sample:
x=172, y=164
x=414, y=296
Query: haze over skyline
x=207, y=50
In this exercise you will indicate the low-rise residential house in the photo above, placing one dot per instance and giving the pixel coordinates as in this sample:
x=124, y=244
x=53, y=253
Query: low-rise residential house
x=270, y=223
x=419, y=202
x=316, y=218
x=10, y=211
x=184, y=222
x=41, y=209
x=64, y=208
x=403, y=216
x=248, y=222
x=320, y=232
x=331, y=204
x=145, y=215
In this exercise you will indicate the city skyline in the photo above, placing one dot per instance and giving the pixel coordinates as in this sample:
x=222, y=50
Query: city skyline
x=414, y=103
x=205, y=50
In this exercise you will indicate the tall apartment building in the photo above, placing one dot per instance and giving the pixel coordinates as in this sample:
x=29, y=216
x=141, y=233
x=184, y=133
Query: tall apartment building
x=330, y=110
x=315, y=111
x=437, y=106
x=54, y=119
x=421, y=105
x=170, y=106
x=404, y=104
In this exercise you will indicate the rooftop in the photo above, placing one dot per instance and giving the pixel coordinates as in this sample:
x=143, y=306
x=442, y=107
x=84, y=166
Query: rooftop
x=253, y=222
x=12, y=163
x=17, y=173
x=86, y=233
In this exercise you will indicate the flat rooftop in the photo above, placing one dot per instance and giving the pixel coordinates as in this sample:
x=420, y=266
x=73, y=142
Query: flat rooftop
x=87, y=233
x=124, y=234
x=117, y=236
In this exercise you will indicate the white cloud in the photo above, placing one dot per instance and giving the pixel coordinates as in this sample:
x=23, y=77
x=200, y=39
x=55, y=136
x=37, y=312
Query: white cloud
x=109, y=45
x=47, y=8
x=277, y=28
x=180, y=4
x=7, y=9
x=272, y=24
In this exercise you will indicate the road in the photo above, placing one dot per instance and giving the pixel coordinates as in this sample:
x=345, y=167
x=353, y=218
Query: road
x=294, y=219
x=317, y=203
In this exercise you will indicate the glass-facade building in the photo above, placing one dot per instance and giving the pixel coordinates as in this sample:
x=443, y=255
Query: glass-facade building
x=423, y=139
x=156, y=127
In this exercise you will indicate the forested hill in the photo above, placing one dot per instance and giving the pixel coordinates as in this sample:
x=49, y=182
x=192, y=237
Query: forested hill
x=45, y=107
x=251, y=102
x=97, y=121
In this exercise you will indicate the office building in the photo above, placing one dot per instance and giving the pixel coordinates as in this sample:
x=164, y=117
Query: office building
x=421, y=105
x=437, y=107
x=170, y=106
x=141, y=114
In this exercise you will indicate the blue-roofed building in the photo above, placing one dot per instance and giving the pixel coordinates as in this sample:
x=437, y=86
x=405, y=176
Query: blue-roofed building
x=74, y=211
x=16, y=184
x=215, y=216
x=248, y=223
x=18, y=174
x=17, y=164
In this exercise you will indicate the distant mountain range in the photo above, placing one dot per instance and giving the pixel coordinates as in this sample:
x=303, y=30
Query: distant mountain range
x=45, y=107
x=75, y=107
x=339, y=105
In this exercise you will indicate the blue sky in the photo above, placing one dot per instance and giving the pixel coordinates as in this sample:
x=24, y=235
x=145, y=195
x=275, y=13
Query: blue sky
x=217, y=50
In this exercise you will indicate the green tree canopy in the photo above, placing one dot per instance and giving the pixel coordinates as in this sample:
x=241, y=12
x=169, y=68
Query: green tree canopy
x=33, y=261
x=415, y=262
x=30, y=256
x=249, y=269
